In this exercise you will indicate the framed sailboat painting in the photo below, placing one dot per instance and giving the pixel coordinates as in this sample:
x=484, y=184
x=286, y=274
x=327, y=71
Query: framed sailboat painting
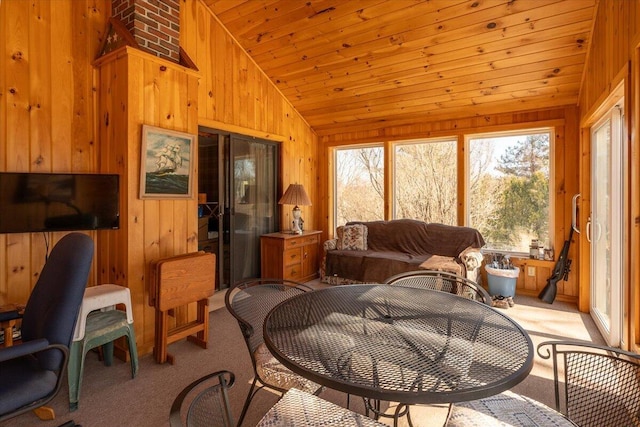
x=167, y=165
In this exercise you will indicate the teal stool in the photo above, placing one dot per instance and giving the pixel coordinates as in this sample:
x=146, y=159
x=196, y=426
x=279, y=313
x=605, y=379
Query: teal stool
x=99, y=329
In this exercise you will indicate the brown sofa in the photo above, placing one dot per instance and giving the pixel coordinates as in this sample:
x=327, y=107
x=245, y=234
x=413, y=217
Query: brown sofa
x=373, y=251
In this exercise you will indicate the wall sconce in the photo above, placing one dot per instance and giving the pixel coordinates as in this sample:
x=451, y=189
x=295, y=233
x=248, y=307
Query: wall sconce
x=295, y=195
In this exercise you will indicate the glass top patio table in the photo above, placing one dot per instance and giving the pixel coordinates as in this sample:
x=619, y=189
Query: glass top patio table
x=399, y=344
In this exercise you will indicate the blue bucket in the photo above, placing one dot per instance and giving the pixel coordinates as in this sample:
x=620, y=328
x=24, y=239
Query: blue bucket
x=503, y=282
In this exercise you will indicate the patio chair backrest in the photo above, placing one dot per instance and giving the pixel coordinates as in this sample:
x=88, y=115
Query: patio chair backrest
x=441, y=281
x=594, y=385
x=205, y=402
x=251, y=300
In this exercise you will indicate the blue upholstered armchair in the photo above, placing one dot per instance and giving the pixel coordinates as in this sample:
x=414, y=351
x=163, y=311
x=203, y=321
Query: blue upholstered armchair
x=31, y=371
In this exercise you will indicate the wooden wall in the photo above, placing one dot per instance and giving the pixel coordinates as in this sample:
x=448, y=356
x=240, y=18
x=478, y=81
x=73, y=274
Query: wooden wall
x=60, y=111
x=615, y=57
x=235, y=95
x=51, y=98
x=47, y=111
x=565, y=122
x=135, y=88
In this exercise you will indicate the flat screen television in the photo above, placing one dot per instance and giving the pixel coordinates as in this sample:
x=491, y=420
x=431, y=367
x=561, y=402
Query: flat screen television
x=33, y=202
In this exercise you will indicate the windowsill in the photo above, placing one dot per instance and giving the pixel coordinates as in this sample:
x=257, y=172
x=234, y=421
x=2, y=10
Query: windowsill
x=519, y=257
x=531, y=261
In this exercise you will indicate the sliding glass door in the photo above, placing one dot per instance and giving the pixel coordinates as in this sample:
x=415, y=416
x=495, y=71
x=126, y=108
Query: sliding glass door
x=251, y=196
x=605, y=227
x=238, y=175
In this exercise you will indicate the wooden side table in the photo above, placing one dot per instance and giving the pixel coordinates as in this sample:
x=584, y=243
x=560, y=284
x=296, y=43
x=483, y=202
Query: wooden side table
x=10, y=314
x=7, y=327
x=290, y=256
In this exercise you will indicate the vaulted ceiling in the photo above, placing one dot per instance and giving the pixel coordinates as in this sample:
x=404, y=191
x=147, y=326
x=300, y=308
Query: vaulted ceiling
x=373, y=62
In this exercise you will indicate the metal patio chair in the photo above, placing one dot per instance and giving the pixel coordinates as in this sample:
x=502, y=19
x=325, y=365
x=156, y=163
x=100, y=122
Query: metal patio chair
x=297, y=408
x=204, y=402
x=250, y=301
x=594, y=385
x=441, y=281
x=505, y=409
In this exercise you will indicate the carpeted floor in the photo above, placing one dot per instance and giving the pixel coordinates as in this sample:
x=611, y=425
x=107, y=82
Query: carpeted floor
x=109, y=397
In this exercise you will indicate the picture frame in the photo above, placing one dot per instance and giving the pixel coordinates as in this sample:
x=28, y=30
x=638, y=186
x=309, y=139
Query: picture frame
x=167, y=164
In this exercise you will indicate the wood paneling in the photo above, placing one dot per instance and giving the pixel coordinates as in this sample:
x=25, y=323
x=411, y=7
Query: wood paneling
x=235, y=95
x=374, y=63
x=614, y=57
x=135, y=89
x=58, y=113
x=52, y=101
x=47, y=113
x=614, y=39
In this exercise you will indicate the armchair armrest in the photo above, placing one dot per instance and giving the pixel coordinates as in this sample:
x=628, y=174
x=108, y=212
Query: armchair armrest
x=330, y=245
x=23, y=349
x=471, y=258
x=327, y=246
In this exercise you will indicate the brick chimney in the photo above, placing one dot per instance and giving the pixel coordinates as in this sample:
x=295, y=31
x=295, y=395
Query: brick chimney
x=155, y=25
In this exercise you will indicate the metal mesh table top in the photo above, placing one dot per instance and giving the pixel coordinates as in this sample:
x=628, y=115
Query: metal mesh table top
x=399, y=344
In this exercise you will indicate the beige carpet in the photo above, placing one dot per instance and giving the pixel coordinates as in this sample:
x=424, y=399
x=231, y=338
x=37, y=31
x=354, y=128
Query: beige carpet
x=109, y=397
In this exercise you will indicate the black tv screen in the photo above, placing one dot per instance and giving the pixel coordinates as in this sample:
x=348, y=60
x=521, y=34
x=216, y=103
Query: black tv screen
x=32, y=202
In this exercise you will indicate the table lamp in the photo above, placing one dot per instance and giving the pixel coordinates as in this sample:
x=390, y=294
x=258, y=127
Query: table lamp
x=295, y=195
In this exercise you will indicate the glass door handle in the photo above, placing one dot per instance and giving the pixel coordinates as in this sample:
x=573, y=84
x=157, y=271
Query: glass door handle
x=595, y=226
x=598, y=230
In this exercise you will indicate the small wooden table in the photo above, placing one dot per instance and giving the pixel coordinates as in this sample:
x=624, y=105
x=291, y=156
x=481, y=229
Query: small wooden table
x=178, y=281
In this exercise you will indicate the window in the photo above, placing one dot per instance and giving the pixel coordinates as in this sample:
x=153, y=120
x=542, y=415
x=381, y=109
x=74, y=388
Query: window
x=508, y=184
x=425, y=181
x=359, y=185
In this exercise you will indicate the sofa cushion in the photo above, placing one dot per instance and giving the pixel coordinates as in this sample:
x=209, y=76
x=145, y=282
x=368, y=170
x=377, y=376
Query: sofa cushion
x=452, y=240
x=402, y=235
x=370, y=266
x=352, y=237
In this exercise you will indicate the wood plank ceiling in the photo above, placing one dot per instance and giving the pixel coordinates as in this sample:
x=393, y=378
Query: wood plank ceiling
x=368, y=63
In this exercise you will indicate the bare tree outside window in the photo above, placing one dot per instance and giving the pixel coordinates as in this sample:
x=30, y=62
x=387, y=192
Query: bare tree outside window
x=509, y=194
x=425, y=179
x=359, y=184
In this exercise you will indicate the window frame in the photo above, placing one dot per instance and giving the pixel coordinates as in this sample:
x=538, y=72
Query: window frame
x=334, y=175
x=552, y=165
x=415, y=141
x=463, y=169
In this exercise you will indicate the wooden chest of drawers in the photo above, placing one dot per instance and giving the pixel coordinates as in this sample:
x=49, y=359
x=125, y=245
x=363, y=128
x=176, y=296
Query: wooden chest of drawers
x=290, y=256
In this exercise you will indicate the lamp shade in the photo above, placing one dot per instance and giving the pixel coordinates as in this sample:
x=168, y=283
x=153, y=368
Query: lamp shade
x=295, y=195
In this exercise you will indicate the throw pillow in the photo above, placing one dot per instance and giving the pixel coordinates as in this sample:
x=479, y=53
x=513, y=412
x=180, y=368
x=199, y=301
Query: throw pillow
x=352, y=237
